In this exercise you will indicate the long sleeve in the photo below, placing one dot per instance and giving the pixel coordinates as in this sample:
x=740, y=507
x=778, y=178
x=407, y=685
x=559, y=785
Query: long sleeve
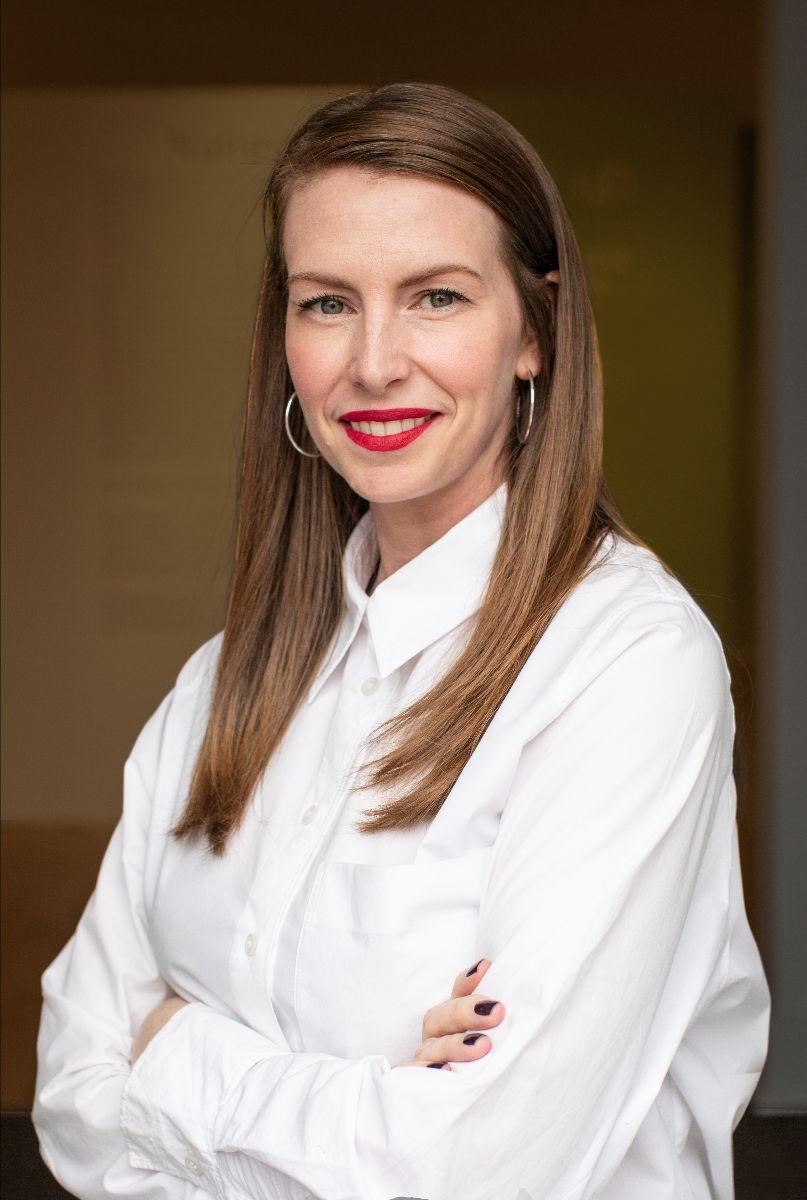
x=597, y=952
x=96, y=994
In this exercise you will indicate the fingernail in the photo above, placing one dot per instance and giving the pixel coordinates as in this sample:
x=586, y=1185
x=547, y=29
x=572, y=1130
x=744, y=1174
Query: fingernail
x=438, y=1065
x=475, y=967
x=471, y=1038
x=484, y=1007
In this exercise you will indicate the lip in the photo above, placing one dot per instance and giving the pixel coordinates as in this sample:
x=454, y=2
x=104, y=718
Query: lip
x=386, y=414
x=393, y=441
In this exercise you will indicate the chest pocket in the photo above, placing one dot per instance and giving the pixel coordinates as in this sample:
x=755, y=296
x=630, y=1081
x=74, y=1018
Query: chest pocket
x=380, y=945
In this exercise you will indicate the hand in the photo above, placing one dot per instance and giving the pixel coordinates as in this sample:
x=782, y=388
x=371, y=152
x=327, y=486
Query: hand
x=154, y=1023
x=447, y=1025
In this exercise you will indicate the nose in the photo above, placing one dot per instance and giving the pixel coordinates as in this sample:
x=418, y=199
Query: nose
x=379, y=355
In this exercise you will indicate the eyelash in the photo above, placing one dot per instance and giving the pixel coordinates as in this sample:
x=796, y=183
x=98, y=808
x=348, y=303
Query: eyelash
x=309, y=303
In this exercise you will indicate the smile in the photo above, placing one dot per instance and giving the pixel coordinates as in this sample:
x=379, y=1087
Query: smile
x=386, y=429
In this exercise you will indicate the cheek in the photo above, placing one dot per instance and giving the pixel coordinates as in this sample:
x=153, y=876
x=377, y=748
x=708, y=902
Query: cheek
x=313, y=359
x=472, y=367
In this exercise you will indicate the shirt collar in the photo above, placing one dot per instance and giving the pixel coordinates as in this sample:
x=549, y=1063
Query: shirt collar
x=422, y=601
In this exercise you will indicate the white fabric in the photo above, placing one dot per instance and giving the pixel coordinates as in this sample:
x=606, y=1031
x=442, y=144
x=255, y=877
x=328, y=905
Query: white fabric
x=588, y=849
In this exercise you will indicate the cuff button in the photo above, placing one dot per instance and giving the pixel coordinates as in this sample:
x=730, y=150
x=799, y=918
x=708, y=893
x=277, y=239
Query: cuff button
x=193, y=1165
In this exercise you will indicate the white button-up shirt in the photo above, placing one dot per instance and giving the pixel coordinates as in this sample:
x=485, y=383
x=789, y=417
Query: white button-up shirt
x=588, y=849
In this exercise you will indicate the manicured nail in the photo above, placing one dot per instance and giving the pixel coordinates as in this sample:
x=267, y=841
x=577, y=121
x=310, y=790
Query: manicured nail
x=475, y=967
x=484, y=1007
x=471, y=1038
x=438, y=1065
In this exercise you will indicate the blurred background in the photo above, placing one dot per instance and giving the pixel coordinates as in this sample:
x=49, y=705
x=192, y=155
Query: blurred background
x=136, y=142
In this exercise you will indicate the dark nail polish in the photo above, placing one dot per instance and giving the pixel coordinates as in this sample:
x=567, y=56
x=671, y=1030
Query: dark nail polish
x=484, y=1007
x=471, y=1038
x=438, y=1065
x=475, y=967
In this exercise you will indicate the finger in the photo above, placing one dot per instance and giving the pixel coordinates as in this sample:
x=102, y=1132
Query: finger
x=457, y=1047
x=438, y=1020
x=444, y=1066
x=467, y=981
x=460, y=1015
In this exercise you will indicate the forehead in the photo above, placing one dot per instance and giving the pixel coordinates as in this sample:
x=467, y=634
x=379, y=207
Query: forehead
x=351, y=215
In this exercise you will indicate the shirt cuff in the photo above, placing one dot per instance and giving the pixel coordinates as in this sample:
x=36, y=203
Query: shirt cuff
x=175, y=1090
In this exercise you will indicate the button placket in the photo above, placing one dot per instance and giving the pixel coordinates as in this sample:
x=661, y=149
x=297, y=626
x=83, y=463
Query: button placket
x=343, y=754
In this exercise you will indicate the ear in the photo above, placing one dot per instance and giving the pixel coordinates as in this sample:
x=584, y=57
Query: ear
x=529, y=359
x=552, y=276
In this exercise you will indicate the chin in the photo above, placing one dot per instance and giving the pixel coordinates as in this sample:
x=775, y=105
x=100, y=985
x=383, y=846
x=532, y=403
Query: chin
x=391, y=486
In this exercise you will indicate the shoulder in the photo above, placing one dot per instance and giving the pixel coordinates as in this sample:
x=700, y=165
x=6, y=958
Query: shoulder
x=631, y=608
x=199, y=669
x=180, y=718
x=628, y=587
x=628, y=632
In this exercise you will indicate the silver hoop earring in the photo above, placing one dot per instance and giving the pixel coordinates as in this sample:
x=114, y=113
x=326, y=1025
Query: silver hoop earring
x=523, y=439
x=289, y=434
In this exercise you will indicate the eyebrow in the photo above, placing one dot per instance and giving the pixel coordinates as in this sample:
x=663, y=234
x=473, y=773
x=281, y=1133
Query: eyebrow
x=410, y=281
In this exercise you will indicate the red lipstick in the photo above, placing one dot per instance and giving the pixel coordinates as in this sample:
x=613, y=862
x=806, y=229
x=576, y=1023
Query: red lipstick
x=385, y=414
x=391, y=441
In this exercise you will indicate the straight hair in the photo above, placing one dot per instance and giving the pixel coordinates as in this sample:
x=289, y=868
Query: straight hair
x=295, y=514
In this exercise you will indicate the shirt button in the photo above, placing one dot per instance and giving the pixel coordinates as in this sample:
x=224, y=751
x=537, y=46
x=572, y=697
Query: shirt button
x=309, y=814
x=193, y=1166
x=369, y=685
x=250, y=944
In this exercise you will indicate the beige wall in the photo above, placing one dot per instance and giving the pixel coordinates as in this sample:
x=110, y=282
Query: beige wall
x=132, y=248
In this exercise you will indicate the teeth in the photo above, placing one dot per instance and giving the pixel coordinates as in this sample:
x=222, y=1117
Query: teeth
x=387, y=428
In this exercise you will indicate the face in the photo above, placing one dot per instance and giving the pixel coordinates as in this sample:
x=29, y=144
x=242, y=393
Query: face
x=403, y=334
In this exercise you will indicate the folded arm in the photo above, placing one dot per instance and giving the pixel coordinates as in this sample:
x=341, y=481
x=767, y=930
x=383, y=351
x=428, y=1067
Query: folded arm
x=96, y=994
x=596, y=860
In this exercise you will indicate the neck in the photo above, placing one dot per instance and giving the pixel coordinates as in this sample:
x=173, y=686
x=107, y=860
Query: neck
x=406, y=528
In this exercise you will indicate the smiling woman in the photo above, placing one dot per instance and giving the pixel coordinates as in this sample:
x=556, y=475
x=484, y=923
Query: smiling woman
x=408, y=341
x=461, y=723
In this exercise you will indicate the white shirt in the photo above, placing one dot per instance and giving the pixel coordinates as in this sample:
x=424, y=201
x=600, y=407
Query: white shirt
x=588, y=849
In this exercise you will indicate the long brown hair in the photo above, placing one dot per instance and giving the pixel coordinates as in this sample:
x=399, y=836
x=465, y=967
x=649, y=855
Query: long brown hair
x=295, y=514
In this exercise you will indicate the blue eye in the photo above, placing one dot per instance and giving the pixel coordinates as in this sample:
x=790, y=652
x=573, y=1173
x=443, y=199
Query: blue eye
x=323, y=298
x=438, y=293
x=438, y=297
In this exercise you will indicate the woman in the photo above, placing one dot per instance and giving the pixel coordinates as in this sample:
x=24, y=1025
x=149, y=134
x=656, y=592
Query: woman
x=461, y=727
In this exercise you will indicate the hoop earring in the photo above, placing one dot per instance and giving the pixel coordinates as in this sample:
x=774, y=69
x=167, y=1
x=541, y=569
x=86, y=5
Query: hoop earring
x=523, y=439
x=299, y=449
